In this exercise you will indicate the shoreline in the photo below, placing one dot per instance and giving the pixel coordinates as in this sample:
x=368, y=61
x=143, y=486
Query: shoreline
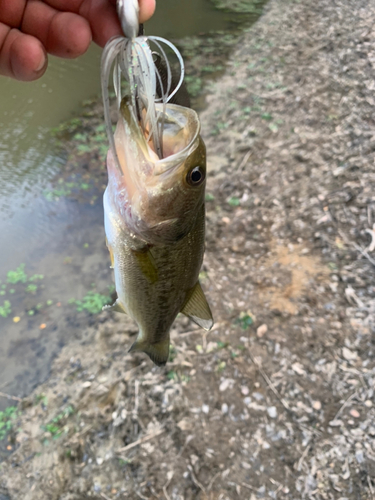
x=278, y=397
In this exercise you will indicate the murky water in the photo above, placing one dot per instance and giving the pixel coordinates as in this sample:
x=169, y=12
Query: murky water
x=62, y=241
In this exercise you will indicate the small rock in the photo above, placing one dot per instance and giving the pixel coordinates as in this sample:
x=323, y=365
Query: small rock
x=225, y=384
x=348, y=354
x=86, y=384
x=317, y=405
x=354, y=413
x=224, y=408
x=262, y=330
x=368, y=403
x=335, y=423
x=205, y=409
x=99, y=461
x=244, y=390
x=298, y=368
x=359, y=456
x=184, y=424
x=272, y=412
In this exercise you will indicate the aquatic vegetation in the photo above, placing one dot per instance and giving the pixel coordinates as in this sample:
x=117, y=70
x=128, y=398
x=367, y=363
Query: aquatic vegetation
x=5, y=309
x=7, y=420
x=65, y=188
x=36, y=277
x=31, y=288
x=92, y=302
x=240, y=6
x=17, y=276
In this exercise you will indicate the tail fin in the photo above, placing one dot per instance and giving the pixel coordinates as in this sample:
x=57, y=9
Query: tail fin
x=158, y=352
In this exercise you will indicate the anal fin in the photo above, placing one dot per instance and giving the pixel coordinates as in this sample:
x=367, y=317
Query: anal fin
x=197, y=309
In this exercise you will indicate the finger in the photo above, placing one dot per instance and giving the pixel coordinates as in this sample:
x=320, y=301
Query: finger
x=11, y=12
x=21, y=56
x=146, y=10
x=103, y=20
x=63, y=34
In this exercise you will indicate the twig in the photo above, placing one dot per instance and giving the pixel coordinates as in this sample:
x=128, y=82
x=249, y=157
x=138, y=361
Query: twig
x=14, y=398
x=244, y=160
x=345, y=404
x=364, y=253
x=269, y=383
x=141, y=441
x=140, y=495
x=195, y=480
x=371, y=246
x=191, y=332
x=248, y=486
x=136, y=403
x=213, y=480
x=370, y=486
x=103, y=495
x=166, y=486
x=303, y=456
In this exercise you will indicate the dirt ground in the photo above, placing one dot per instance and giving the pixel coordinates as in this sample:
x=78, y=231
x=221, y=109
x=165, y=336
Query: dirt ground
x=277, y=401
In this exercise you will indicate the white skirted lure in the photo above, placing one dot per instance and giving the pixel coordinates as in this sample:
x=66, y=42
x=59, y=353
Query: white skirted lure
x=132, y=58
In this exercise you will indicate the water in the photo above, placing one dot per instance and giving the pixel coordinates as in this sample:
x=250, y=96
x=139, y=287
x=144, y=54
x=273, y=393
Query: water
x=64, y=241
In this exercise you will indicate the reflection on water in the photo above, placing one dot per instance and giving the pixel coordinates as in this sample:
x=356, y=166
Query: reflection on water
x=64, y=241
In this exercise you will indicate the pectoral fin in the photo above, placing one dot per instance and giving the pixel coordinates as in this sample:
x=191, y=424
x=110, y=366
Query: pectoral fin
x=117, y=306
x=157, y=352
x=147, y=264
x=197, y=309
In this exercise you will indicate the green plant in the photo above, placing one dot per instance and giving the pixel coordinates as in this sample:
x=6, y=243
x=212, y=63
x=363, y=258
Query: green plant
x=92, y=302
x=245, y=320
x=31, y=288
x=17, y=276
x=55, y=426
x=172, y=353
x=234, y=201
x=36, y=277
x=5, y=309
x=7, y=418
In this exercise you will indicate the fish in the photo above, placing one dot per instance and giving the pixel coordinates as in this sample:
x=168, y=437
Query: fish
x=154, y=218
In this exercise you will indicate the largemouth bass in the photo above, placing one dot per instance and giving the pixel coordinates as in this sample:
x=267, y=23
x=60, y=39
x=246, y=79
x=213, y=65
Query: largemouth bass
x=155, y=224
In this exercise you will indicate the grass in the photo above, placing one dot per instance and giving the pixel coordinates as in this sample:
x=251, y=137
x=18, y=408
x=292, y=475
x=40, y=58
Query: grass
x=55, y=426
x=5, y=309
x=92, y=302
x=7, y=419
x=17, y=276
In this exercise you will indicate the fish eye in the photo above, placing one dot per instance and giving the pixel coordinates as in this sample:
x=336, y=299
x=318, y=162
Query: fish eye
x=195, y=176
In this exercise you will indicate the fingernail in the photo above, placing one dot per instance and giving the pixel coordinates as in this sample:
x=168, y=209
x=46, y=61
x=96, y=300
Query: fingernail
x=41, y=65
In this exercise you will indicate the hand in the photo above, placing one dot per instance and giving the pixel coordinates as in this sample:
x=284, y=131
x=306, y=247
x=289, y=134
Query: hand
x=29, y=29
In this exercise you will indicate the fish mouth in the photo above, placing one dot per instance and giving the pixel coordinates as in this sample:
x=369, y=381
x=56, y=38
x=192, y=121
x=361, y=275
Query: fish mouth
x=181, y=128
